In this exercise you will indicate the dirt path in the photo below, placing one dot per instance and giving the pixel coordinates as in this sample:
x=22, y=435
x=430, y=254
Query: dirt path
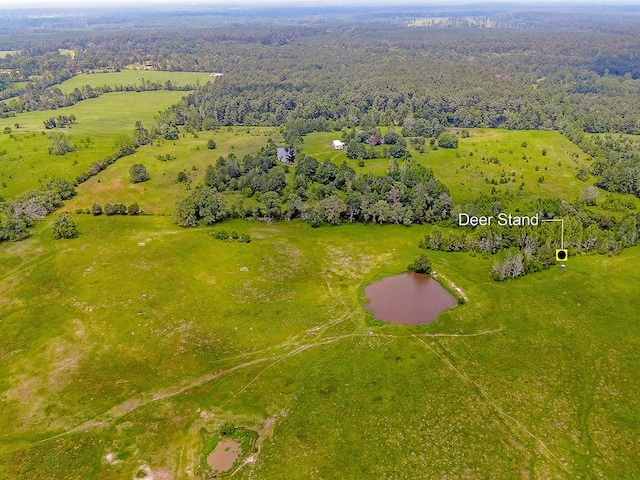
x=452, y=285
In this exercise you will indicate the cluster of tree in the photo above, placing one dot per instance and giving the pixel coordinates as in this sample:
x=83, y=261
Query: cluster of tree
x=527, y=249
x=323, y=192
x=463, y=77
x=18, y=216
x=123, y=146
x=61, y=121
x=396, y=76
x=360, y=144
x=117, y=209
x=44, y=97
x=327, y=193
x=204, y=205
x=616, y=163
x=256, y=173
x=453, y=76
x=111, y=209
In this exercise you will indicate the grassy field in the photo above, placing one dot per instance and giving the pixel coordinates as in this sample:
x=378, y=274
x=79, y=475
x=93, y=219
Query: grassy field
x=468, y=172
x=135, y=78
x=190, y=154
x=124, y=351
x=24, y=157
x=122, y=345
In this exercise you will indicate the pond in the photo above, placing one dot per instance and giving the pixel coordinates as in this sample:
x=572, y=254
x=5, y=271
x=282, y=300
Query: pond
x=224, y=455
x=409, y=299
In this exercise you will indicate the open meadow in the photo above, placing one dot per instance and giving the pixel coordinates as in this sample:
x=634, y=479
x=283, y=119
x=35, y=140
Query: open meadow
x=134, y=78
x=271, y=241
x=129, y=347
x=128, y=351
x=24, y=150
x=517, y=165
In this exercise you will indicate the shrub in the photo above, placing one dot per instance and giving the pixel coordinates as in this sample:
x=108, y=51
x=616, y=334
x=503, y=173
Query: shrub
x=96, y=209
x=420, y=265
x=182, y=177
x=115, y=209
x=60, y=144
x=227, y=429
x=64, y=227
x=220, y=235
x=447, y=140
x=138, y=173
x=133, y=209
x=211, y=144
x=511, y=266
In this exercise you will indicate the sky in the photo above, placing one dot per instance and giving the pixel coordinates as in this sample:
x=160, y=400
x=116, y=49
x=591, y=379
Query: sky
x=181, y=3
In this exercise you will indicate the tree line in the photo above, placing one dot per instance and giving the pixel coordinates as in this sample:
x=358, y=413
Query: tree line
x=519, y=250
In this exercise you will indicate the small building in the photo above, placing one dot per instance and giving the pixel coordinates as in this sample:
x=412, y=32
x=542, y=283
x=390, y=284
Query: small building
x=285, y=155
x=337, y=145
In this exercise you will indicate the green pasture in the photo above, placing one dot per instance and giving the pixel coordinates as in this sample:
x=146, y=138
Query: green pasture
x=134, y=78
x=122, y=346
x=468, y=172
x=465, y=171
x=189, y=154
x=126, y=349
x=24, y=157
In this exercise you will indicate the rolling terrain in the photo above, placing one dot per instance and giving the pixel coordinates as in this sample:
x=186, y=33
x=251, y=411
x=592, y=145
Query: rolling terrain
x=126, y=350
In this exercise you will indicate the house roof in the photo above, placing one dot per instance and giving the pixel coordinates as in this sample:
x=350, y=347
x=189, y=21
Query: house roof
x=284, y=154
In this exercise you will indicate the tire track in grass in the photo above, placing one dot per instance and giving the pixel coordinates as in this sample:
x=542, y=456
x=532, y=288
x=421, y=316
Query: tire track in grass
x=124, y=408
x=500, y=411
x=128, y=406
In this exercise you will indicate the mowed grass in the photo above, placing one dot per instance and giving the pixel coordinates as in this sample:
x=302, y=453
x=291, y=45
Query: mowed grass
x=134, y=78
x=25, y=158
x=120, y=346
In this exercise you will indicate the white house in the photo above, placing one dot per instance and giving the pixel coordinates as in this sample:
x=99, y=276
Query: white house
x=337, y=144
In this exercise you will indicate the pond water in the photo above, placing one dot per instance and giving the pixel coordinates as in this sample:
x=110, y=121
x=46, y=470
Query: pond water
x=409, y=298
x=224, y=455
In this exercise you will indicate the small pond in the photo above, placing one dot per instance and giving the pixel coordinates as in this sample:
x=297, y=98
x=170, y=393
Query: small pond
x=224, y=455
x=409, y=298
